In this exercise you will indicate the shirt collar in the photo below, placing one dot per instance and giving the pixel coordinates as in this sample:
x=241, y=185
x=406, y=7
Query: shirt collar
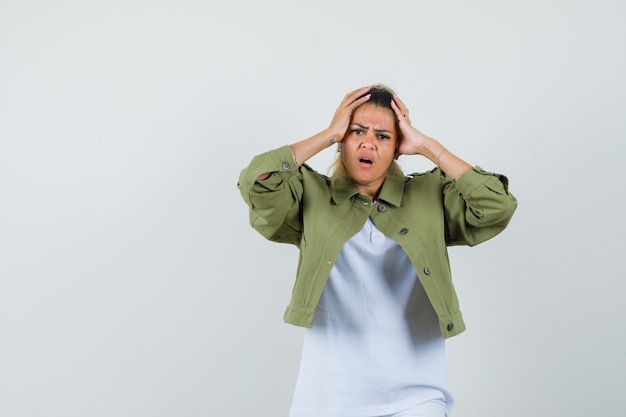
x=342, y=187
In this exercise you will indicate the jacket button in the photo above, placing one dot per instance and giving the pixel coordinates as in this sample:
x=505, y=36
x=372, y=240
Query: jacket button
x=382, y=207
x=404, y=231
x=286, y=165
x=427, y=271
x=450, y=326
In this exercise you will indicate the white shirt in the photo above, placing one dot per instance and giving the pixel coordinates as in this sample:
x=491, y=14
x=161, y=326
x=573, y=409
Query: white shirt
x=375, y=347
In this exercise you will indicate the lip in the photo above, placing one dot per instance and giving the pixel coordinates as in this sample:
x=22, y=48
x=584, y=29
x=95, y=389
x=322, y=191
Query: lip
x=366, y=155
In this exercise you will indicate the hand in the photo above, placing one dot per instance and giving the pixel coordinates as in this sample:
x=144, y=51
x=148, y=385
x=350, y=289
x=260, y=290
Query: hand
x=412, y=141
x=343, y=114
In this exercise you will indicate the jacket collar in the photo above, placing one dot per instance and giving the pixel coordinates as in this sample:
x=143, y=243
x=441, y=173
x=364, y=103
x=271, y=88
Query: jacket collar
x=342, y=187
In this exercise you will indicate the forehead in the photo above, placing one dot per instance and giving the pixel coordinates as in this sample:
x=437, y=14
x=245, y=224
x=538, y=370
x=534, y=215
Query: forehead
x=374, y=116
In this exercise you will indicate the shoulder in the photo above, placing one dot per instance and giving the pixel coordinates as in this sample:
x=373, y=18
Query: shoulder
x=434, y=177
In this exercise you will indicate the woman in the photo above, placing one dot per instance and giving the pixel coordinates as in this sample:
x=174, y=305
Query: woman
x=373, y=286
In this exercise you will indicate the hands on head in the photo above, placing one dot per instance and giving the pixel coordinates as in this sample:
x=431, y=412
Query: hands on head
x=411, y=139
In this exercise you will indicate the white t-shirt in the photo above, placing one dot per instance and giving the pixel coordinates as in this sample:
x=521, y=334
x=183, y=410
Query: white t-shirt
x=375, y=347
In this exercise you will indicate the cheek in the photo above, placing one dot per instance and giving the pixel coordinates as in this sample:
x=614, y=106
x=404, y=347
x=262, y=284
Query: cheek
x=349, y=145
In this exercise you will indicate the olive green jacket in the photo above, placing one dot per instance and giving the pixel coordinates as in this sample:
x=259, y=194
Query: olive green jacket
x=424, y=213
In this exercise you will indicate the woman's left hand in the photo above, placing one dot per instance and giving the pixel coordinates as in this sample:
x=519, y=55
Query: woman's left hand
x=412, y=140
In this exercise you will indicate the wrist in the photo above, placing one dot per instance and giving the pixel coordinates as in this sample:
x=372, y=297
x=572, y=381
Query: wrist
x=431, y=149
x=331, y=137
x=438, y=161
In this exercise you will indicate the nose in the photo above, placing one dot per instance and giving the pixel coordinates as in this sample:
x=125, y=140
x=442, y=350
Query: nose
x=368, y=142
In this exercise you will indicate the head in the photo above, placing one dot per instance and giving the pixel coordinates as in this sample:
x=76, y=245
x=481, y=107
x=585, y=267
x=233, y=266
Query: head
x=369, y=146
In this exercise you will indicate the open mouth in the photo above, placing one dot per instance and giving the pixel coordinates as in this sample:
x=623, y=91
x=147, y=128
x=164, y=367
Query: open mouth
x=366, y=161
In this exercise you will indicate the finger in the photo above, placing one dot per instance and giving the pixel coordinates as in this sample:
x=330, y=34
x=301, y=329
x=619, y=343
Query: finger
x=356, y=103
x=396, y=109
x=354, y=95
x=404, y=110
x=400, y=114
x=400, y=103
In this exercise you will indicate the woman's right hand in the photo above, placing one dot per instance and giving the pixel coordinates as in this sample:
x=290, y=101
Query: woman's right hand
x=305, y=149
x=341, y=120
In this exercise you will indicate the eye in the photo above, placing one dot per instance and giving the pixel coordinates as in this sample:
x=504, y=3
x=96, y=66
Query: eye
x=383, y=136
x=357, y=131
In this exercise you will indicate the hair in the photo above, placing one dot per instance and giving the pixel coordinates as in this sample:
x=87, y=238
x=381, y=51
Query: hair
x=381, y=96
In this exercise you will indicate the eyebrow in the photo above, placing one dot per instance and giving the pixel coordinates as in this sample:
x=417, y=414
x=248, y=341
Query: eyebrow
x=375, y=130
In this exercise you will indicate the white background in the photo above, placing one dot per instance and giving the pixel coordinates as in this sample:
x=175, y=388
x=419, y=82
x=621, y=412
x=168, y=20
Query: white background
x=130, y=281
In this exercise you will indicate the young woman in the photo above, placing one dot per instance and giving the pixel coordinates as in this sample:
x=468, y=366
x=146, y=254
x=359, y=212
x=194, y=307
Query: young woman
x=373, y=286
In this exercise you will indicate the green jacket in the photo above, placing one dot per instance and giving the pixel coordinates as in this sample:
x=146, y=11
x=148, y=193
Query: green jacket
x=424, y=213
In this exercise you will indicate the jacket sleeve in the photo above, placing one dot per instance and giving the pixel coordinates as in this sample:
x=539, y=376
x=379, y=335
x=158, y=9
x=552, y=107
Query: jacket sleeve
x=478, y=206
x=274, y=204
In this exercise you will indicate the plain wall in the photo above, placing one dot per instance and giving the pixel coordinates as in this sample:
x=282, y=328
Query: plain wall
x=131, y=283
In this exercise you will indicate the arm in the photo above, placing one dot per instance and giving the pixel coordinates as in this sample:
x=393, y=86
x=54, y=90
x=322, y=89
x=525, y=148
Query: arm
x=272, y=184
x=305, y=149
x=415, y=142
x=477, y=204
x=274, y=203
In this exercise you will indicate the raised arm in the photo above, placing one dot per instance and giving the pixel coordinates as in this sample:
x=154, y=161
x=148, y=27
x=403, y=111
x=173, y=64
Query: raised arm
x=415, y=142
x=305, y=149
